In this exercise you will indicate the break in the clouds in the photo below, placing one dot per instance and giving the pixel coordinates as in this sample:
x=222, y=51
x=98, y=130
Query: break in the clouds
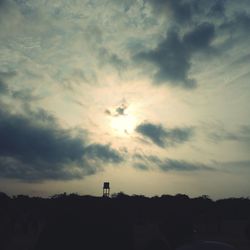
x=164, y=137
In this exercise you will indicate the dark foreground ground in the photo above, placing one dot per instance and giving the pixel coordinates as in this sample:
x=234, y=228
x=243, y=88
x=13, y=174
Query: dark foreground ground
x=123, y=222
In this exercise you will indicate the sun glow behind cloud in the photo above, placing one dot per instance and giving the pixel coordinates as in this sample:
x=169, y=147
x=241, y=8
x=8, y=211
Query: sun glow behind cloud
x=123, y=124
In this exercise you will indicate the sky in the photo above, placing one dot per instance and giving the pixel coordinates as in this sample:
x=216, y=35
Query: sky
x=150, y=95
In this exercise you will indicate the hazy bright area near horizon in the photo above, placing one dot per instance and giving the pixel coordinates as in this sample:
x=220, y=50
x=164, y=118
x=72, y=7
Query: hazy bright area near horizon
x=150, y=95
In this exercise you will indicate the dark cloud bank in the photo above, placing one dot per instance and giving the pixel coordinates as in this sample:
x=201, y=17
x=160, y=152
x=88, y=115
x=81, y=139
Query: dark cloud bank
x=34, y=147
x=193, y=25
x=172, y=57
x=164, y=137
x=185, y=11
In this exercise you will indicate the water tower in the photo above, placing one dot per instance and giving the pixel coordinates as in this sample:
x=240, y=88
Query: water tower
x=106, y=189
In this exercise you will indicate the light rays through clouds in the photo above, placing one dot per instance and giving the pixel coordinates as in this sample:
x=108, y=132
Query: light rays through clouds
x=129, y=91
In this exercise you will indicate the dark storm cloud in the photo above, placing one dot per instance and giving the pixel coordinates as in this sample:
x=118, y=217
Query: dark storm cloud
x=172, y=57
x=35, y=147
x=164, y=137
x=147, y=162
x=2, y=3
x=22, y=138
x=199, y=38
x=172, y=61
x=238, y=23
x=181, y=10
x=192, y=26
x=217, y=9
x=13, y=168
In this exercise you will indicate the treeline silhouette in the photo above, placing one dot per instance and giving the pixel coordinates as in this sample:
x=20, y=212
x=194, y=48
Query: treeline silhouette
x=71, y=221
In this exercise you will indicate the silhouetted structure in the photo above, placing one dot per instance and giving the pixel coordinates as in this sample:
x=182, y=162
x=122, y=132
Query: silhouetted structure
x=106, y=189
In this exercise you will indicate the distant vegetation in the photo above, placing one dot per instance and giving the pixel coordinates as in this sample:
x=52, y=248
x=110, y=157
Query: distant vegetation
x=65, y=220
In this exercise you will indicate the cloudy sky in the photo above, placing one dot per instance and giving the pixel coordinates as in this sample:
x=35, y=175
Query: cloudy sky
x=151, y=95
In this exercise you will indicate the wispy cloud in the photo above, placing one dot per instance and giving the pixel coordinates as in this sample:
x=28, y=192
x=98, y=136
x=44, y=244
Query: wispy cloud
x=240, y=135
x=179, y=165
x=152, y=162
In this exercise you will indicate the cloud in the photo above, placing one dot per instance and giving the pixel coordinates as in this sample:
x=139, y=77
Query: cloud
x=185, y=12
x=214, y=27
x=34, y=147
x=164, y=137
x=4, y=90
x=107, y=112
x=103, y=152
x=181, y=11
x=3, y=3
x=119, y=111
x=24, y=95
x=171, y=60
x=221, y=134
x=218, y=9
x=237, y=24
x=235, y=165
x=106, y=57
x=179, y=165
x=172, y=56
x=147, y=162
x=140, y=166
x=156, y=133
x=199, y=38
x=55, y=38
x=3, y=87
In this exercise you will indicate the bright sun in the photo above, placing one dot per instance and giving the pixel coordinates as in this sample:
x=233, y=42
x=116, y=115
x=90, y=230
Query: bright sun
x=123, y=124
